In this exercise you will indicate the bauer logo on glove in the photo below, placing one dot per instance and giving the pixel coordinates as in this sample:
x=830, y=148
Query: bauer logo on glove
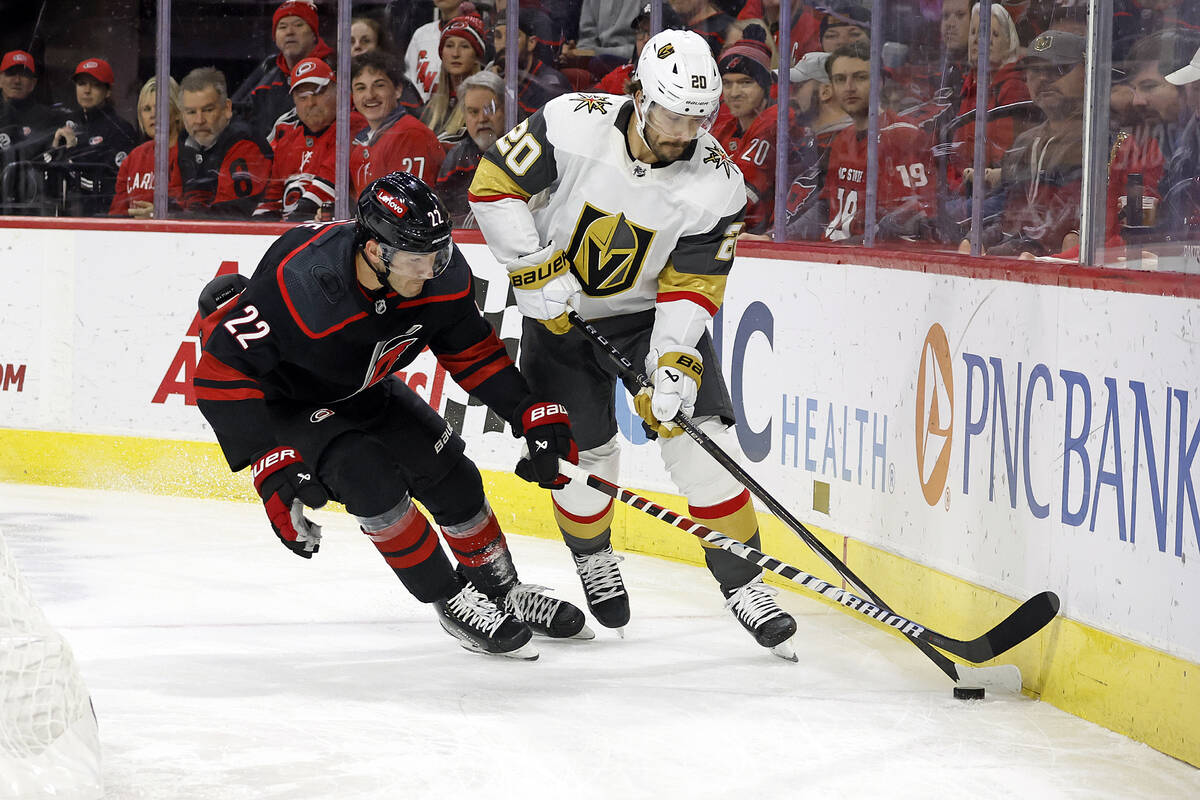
x=675, y=381
x=547, y=431
x=544, y=287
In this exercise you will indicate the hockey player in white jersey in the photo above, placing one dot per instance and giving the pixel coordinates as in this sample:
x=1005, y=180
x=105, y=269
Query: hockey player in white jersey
x=627, y=210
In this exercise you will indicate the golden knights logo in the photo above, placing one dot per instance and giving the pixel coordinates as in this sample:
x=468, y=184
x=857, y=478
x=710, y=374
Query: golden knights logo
x=607, y=251
x=666, y=50
x=591, y=103
x=718, y=158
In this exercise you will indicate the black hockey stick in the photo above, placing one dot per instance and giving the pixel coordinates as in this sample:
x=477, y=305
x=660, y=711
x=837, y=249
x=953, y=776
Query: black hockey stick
x=1033, y=615
x=712, y=448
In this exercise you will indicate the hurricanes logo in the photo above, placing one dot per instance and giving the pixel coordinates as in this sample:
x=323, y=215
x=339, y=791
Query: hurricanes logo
x=591, y=103
x=305, y=68
x=607, y=251
x=718, y=158
x=935, y=414
x=665, y=50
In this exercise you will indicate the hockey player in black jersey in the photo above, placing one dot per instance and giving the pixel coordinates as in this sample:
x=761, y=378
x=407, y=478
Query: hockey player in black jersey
x=296, y=379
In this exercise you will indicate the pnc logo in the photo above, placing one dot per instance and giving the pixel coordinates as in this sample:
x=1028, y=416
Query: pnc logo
x=935, y=414
x=395, y=205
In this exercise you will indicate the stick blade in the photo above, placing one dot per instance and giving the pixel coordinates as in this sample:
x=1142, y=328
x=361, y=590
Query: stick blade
x=1032, y=615
x=1004, y=678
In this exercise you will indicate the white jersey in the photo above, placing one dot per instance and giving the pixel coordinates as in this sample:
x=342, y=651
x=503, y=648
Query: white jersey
x=422, y=61
x=635, y=234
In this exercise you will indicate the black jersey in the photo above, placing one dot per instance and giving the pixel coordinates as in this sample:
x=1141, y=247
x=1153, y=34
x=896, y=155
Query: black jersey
x=305, y=332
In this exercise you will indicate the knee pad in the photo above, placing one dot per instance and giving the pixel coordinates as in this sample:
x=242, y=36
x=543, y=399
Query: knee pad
x=699, y=477
x=577, y=498
x=455, y=496
x=361, y=474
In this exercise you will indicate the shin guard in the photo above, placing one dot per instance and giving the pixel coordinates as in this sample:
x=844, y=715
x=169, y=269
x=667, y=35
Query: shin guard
x=482, y=553
x=411, y=548
x=736, y=519
x=585, y=535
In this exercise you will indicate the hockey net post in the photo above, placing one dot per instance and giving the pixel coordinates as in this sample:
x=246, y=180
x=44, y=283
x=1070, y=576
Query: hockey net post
x=49, y=742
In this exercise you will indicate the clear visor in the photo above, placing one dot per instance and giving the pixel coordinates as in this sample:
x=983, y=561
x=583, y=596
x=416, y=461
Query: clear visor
x=673, y=126
x=416, y=265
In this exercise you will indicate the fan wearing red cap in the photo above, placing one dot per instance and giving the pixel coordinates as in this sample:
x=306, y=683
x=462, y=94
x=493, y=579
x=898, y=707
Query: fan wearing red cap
x=302, y=172
x=24, y=123
x=265, y=95
x=461, y=49
x=421, y=59
x=94, y=140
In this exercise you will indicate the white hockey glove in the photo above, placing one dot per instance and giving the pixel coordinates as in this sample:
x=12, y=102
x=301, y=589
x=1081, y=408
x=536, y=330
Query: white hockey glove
x=675, y=377
x=544, y=287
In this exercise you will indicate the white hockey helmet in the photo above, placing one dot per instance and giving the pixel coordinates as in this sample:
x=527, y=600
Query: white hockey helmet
x=679, y=75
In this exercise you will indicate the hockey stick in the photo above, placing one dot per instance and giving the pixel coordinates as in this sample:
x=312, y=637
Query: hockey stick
x=1032, y=615
x=712, y=448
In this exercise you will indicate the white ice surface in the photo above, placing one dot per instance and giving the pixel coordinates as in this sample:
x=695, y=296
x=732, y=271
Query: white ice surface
x=223, y=667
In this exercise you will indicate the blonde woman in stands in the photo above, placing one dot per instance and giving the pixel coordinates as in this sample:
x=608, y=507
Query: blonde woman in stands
x=461, y=49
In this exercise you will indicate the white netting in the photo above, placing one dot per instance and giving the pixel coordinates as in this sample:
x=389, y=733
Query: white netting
x=48, y=742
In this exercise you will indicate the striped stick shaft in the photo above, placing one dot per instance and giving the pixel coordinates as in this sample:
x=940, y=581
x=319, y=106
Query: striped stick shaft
x=755, y=556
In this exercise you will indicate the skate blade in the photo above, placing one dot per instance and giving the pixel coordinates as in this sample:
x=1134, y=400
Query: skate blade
x=785, y=651
x=583, y=635
x=526, y=652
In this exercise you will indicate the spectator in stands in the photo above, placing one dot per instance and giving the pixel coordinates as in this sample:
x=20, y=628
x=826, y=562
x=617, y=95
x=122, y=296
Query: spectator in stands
x=394, y=139
x=746, y=81
x=1133, y=20
x=1179, y=217
x=263, y=97
x=461, y=52
x=850, y=24
x=135, y=180
x=605, y=40
x=1006, y=85
x=1155, y=100
x=537, y=81
x=93, y=141
x=422, y=58
x=956, y=17
x=614, y=82
x=1042, y=172
x=367, y=34
x=806, y=24
x=483, y=110
x=25, y=124
x=818, y=114
x=905, y=192
x=223, y=166
x=703, y=17
x=301, y=188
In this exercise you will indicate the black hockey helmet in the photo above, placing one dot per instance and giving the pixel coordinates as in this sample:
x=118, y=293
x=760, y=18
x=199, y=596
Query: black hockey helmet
x=401, y=213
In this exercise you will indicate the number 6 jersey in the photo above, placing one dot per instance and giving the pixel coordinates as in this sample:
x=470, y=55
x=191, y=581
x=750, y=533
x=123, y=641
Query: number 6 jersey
x=635, y=233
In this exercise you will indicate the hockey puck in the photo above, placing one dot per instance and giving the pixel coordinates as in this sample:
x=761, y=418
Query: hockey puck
x=968, y=692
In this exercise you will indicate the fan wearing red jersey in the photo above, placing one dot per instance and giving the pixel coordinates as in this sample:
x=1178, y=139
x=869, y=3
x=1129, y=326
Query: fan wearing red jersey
x=905, y=189
x=135, y=180
x=297, y=379
x=302, y=174
x=394, y=139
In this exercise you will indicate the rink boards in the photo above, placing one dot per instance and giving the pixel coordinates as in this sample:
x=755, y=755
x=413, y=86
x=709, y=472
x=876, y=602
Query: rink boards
x=965, y=439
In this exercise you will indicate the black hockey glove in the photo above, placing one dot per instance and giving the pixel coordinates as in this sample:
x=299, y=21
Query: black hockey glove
x=286, y=485
x=547, y=432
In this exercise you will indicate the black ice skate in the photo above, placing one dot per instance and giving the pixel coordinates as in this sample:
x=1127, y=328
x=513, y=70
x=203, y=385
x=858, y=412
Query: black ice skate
x=481, y=627
x=603, y=588
x=754, y=606
x=546, y=615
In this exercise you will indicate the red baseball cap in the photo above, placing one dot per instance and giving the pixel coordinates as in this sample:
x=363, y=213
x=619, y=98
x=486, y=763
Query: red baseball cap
x=98, y=68
x=18, y=58
x=311, y=70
